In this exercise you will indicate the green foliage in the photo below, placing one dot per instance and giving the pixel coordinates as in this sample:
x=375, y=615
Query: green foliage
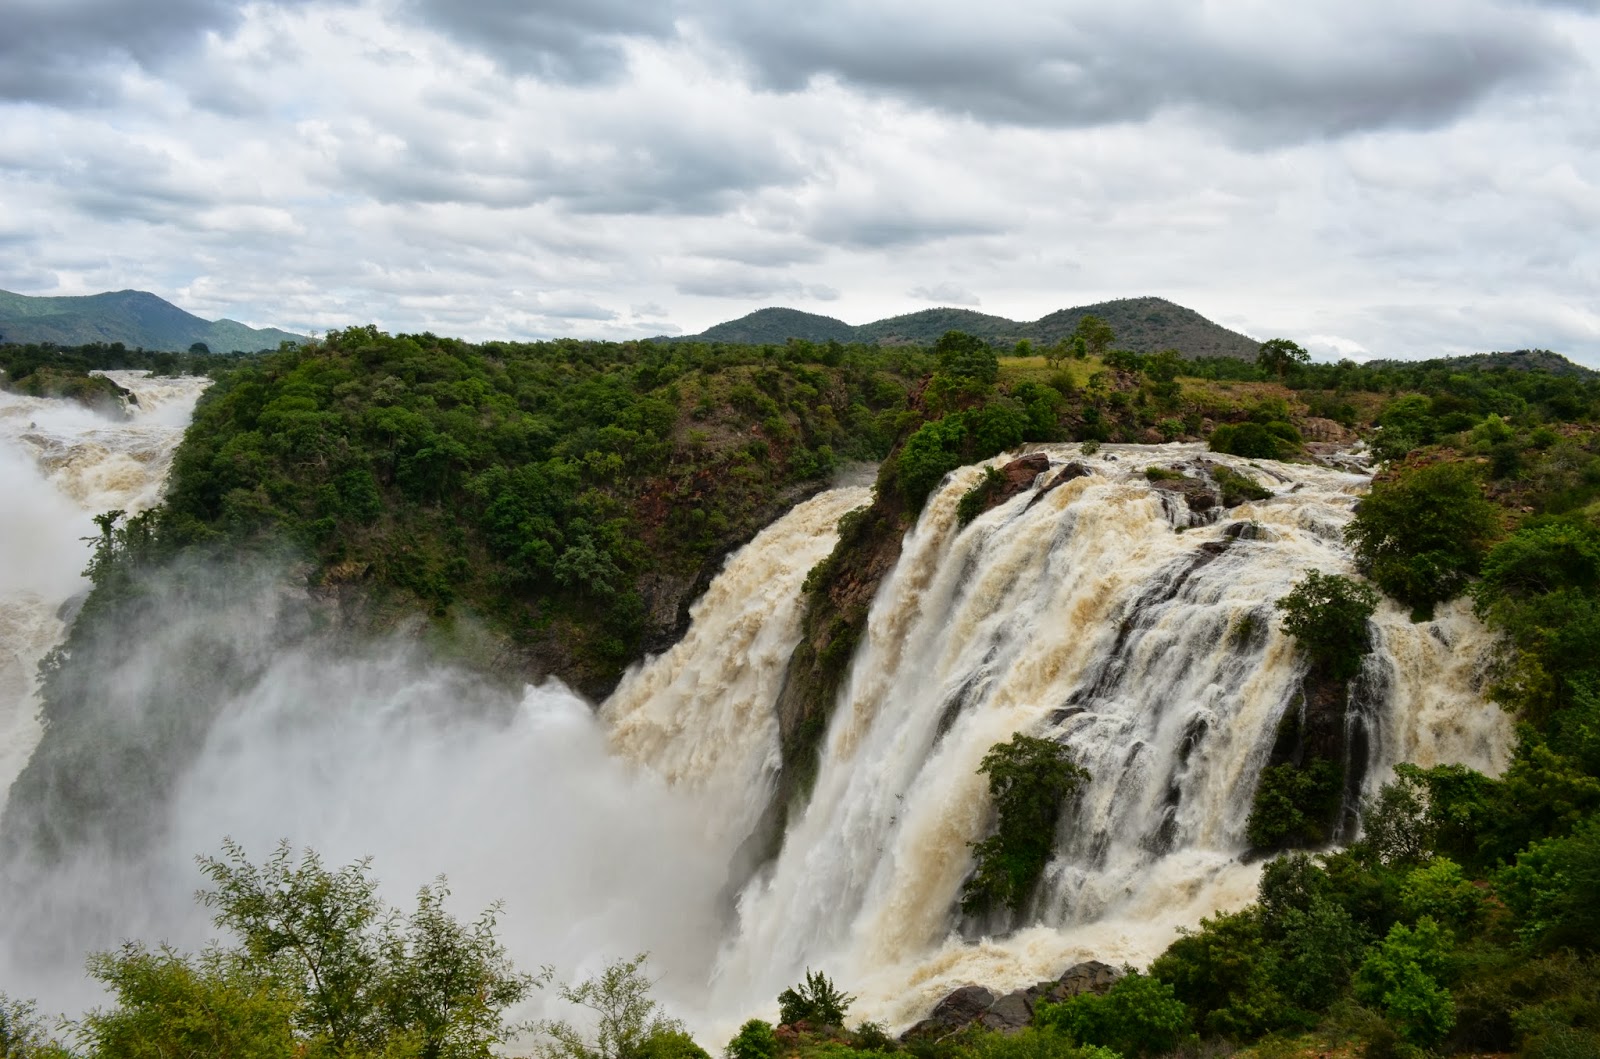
x=966, y=358
x=1294, y=805
x=23, y=1034
x=755, y=1040
x=1256, y=441
x=216, y=1004
x=1403, y=977
x=1422, y=534
x=629, y=1023
x=1395, y=823
x=1328, y=615
x=814, y=1000
x=1554, y=887
x=1140, y=1016
x=1441, y=891
x=1279, y=356
x=359, y=973
x=1029, y=779
x=1031, y=1042
x=1095, y=334
x=1225, y=972
x=1237, y=488
x=974, y=500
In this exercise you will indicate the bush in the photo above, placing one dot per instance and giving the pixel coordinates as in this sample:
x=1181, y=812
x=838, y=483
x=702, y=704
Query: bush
x=1140, y=1016
x=1256, y=441
x=1029, y=779
x=755, y=1040
x=975, y=499
x=1328, y=615
x=1421, y=535
x=1294, y=806
x=629, y=1023
x=814, y=1000
x=1402, y=976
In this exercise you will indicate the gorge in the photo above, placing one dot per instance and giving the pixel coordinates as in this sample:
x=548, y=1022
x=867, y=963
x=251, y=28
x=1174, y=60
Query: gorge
x=1103, y=613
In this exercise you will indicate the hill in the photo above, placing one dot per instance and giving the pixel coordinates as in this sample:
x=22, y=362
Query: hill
x=1516, y=360
x=134, y=318
x=1144, y=325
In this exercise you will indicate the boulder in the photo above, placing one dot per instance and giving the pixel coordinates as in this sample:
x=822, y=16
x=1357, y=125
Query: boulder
x=960, y=1008
x=1090, y=977
x=1010, y=1013
x=1061, y=478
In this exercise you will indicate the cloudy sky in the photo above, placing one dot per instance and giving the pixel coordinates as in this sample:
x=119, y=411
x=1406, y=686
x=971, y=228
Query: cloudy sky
x=1370, y=177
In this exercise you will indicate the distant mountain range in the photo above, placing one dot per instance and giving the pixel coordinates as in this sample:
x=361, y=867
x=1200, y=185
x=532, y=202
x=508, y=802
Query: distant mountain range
x=133, y=317
x=1144, y=325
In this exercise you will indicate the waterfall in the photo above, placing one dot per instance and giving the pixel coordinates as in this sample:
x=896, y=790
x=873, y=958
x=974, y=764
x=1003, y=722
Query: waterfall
x=61, y=464
x=1100, y=611
x=701, y=714
x=1106, y=615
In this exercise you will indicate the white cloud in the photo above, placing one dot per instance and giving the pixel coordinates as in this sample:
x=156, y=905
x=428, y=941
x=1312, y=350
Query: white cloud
x=1337, y=173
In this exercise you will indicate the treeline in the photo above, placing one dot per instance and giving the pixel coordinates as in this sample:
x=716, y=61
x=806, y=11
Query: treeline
x=567, y=493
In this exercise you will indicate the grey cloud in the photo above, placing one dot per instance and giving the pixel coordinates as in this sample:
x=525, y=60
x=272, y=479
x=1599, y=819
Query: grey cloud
x=885, y=227
x=556, y=40
x=740, y=284
x=823, y=293
x=650, y=310
x=60, y=52
x=1281, y=74
x=670, y=171
x=945, y=294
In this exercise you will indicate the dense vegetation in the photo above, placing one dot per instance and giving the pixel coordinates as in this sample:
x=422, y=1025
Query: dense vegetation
x=568, y=494
x=543, y=487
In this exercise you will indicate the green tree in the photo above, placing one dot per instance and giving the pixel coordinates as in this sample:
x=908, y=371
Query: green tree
x=1328, y=615
x=755, y=1040
x=814, y=1000
x=1096, y=335
x=1029, y=779
x=1424, y=533
x=966, y=358
x=361, y=975
x=220, y=1003
x=1279, y=356
x=23, y=1034
x=1139, y=1016
x=628, y=1021
x=1403, y=977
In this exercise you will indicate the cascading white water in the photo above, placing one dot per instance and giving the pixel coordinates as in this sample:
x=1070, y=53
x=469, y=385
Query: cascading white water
x=701, y=714
x=1109, y=616
x=1086, y=615
x=61, y=464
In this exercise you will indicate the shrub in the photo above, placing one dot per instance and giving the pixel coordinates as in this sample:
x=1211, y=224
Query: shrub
x=814, y=1000
x=1401, y=977
x=1421, y=535
x=975, y=499
x=1294, y=806
x=1256, y=441
x=755, y=1040
x=1328, y=615
x=1140, y=1016
x=1028, y=778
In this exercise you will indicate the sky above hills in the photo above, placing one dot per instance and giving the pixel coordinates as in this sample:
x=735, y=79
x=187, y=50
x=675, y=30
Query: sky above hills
x=1370, y=178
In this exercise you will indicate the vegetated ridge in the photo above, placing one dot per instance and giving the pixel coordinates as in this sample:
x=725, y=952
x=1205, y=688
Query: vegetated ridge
x=1143, y=325
x=131, y=317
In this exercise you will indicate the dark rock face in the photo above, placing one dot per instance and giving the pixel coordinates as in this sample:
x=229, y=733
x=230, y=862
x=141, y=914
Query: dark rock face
x=1011, y=1012
x=1090, y=977
x=1197, y=494
x=1061, y=478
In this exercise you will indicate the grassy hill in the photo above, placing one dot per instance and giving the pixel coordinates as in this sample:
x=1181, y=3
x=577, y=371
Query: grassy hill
x=1144, y=325
x=1542, y=360
x=134, y=318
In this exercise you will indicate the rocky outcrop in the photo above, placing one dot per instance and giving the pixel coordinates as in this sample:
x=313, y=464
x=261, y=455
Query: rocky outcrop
x=1068, y=473
x=1009, y=1012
